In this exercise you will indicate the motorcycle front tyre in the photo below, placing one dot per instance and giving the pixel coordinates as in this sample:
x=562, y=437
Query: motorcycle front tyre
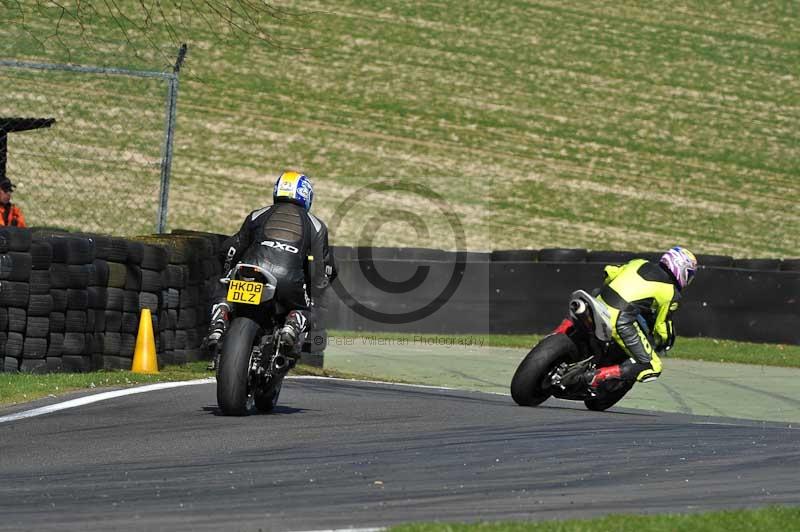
x=527, y=384
x=234, y=361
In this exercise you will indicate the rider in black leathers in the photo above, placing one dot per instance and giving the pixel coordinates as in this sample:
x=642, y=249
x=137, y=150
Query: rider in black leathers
x=294, y=245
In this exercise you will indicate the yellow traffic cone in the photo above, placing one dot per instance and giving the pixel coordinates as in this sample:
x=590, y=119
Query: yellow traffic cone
x=144, y=357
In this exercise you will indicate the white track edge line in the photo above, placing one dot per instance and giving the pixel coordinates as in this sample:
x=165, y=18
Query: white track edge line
x=89, y=399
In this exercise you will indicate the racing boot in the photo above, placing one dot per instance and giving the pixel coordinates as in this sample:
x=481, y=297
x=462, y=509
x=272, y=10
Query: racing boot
x=293, y=327
x=220, y=316
x=594, y=377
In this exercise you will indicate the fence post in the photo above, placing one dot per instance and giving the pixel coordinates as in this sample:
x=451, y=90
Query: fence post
x=169, y=132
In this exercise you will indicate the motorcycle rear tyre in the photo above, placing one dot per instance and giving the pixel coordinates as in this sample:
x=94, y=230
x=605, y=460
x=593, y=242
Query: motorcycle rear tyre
x=526, y=385
x=607, y=400
x=265, y=402
x=233, y=366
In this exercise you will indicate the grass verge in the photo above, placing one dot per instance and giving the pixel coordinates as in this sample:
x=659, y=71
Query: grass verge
x=16, y=388
x=773, y=518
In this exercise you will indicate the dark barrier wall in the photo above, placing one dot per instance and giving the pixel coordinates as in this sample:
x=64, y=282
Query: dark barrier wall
x=515, y=292
x=72, y=302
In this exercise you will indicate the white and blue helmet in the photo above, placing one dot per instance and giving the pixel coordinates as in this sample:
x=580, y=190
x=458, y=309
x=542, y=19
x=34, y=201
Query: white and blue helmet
x=295, y=188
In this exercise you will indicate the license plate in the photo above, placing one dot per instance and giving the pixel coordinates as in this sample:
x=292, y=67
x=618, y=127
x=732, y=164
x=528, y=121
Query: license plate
x=247, y=292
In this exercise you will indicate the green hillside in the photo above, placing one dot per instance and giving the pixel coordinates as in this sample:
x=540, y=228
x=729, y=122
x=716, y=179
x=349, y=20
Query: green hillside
x=605, y=125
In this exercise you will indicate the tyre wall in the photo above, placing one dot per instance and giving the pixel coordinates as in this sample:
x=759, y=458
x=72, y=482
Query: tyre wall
x=526, y=292
x=72, y=302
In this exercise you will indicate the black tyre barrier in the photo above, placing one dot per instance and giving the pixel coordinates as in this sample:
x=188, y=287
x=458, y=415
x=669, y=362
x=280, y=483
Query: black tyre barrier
x=14, y=294
x=74, y=343
x=113, y=320
x=77, y=299
x=610, y=257
x=15, y=266
x=127, y=345
x=130, y=323
x=54, y=364
x=150, y=281
x=562, y=255
x=55, y=345
x=133, y=278
x=76, y=363
x=14, y=343
x=173, y=298
x=99, y=320
x=75, y=321
x=59, y=275
x=97, y=297
x=38, y=365
x=112, y=342
x=115, y=298
x=41, y=255
x=100, y=277
x=58, y=322
x=515, y=255
x=130, y=301
x=34, y=347
x=37, y=327
x=17, y=319
x=135, y=252
x=717, y=261
x=154, y=258
x=39, y=282
x=59, y=296
x=149, y=300
x=10, y=364
x=117, y=362
x=117, y=251
x=79, y=275
x=40, y=304
x=117, y=274
x=790, y=265
x=757, y=264
x=14, y=239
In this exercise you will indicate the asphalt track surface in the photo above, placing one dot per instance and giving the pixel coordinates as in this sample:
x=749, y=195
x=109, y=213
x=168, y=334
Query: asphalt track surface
x=339, y=454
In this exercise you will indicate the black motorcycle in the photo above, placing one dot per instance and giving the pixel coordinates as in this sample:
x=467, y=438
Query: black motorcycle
x=554, y=366
x=252, y=361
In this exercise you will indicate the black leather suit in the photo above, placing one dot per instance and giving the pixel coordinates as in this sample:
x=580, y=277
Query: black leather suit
x=295, y=245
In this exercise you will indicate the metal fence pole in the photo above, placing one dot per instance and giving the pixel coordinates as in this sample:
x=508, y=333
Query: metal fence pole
x=169, y=134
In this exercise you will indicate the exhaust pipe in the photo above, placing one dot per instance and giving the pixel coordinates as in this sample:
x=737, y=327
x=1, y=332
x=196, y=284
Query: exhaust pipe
x=280, y=362
x=577, y=307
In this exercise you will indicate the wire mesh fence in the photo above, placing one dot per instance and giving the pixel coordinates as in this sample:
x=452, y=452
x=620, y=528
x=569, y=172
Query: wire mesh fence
x=87, y=148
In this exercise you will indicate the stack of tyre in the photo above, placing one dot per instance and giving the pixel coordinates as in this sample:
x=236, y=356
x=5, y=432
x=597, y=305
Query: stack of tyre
x=71, y=324
x=192, y=271
x=15, y=271
x=133, y=282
